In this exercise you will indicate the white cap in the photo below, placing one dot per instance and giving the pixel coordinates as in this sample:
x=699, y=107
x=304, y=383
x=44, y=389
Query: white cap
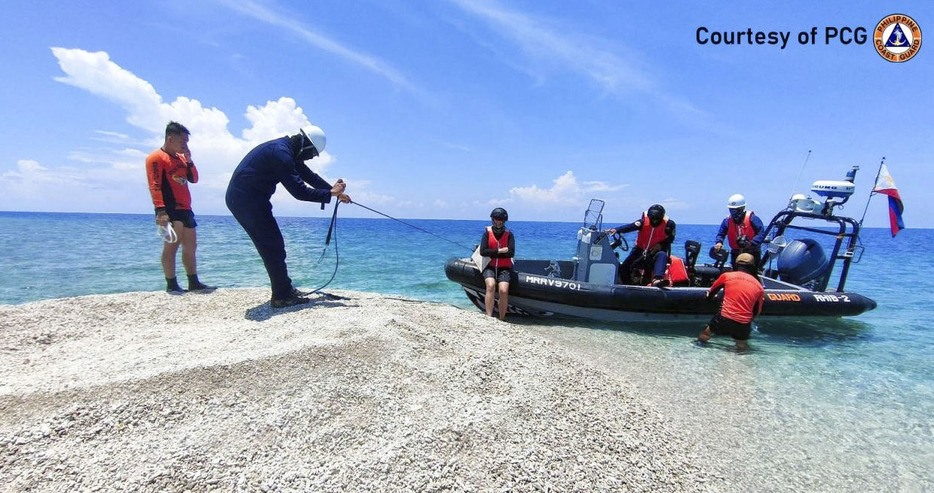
x=736, y=201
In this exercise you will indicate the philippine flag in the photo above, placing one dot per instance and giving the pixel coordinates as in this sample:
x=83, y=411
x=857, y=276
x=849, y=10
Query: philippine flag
x=886, y=186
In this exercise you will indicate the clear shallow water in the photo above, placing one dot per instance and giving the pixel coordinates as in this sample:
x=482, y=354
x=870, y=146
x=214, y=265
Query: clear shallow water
x=841, y=405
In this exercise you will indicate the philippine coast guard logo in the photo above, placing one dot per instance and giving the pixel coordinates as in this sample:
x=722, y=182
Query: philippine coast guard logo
x=897, y=38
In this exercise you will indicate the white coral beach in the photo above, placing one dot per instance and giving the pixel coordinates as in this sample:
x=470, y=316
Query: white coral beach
x=152, y=392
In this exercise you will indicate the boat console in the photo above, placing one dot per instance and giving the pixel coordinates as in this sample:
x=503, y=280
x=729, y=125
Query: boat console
x=595, y=260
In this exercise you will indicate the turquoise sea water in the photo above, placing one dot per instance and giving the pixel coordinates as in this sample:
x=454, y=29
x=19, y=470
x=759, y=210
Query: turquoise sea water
x=841, y=405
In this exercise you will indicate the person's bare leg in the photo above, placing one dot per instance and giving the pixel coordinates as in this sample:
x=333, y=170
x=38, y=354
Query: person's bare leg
x=503, y=299
x=705, y=335
x=488, y=299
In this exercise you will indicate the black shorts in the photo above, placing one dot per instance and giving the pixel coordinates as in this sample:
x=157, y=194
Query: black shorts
x=186, y=217
x=723, y=326
x=504, y=274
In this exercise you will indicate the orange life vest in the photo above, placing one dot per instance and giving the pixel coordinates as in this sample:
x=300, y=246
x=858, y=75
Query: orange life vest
x=650, y=236
x=677, y=273
x=493, y=243
x=733, y=230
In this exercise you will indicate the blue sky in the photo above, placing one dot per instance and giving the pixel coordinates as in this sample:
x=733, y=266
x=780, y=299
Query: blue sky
x=448, y=108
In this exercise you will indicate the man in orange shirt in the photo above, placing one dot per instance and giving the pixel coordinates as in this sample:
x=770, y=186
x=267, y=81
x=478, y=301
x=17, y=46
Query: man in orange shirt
x=169, y=170
x=743, y=298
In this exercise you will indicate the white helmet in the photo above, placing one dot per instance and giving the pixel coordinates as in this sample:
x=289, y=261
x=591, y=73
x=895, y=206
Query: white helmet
x=314, y=136
x=736, y=201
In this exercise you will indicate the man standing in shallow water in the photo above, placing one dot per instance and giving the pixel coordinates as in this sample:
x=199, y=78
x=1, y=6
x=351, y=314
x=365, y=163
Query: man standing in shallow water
x=743, y=297
x=169, y=170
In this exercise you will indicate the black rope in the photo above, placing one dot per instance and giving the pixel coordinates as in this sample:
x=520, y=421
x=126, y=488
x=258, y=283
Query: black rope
x=413, y=226
x=332, y=231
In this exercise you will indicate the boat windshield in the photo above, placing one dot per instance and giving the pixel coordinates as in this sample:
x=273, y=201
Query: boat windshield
x=593, y=218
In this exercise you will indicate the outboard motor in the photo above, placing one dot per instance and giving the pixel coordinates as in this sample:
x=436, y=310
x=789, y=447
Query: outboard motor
x=700, y=275
x=801, y=261
x=691, y=252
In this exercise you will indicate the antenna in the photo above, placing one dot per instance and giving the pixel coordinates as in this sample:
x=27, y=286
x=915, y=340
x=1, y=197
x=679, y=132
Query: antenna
x=795, y=188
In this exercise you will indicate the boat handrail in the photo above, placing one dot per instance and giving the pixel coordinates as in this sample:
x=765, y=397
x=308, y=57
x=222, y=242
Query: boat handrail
x=848, y=229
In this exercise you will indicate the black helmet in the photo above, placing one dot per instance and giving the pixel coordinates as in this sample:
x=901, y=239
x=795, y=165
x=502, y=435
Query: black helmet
x=499, y=213
x=656, y=213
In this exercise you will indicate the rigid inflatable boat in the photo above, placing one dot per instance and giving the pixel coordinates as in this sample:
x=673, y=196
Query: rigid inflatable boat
x=796, y=274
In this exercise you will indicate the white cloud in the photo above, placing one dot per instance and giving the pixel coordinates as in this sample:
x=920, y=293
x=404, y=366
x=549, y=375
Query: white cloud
x=119, y=159
x=95, y=73
x=495, y=202
x=565, y=191
x=601, y=186
x=27, y=166
x=117, y=164
x=559, y=48
x=30, y=177
x=370, y=199
x=270, y=120
x=549, y=45
x=278, y=19
x=35, y=187
x=111, y=137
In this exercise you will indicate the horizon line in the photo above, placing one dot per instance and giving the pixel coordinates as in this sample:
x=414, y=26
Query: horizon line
x=379, y=218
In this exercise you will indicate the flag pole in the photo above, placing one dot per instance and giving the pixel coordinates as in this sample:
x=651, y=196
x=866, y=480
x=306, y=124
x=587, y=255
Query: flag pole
x=873, y=191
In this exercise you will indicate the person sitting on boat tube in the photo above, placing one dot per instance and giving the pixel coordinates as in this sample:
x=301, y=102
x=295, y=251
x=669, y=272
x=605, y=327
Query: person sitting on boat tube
x=743, y=298
x=743, y=229
x=652, y=249
x=499, y=245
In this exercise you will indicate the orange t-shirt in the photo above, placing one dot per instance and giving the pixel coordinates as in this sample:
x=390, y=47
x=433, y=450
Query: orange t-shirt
x=163, y=169
x=743, y=296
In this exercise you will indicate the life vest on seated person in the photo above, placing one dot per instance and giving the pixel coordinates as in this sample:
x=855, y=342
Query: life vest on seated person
x=649, y=235
x=677, y=273
x=493, y=243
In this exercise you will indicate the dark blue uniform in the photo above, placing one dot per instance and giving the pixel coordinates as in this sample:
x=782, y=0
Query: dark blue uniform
x=252, y=185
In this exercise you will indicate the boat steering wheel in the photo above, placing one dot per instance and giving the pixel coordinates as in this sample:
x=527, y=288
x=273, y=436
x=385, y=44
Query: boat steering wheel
x=619, y=241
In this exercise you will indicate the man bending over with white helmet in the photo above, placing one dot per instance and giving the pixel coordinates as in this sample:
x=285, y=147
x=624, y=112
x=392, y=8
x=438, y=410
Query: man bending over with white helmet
x=254, y=181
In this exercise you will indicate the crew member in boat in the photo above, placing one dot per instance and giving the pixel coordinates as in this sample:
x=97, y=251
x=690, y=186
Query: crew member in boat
x=652, y=249
x=742, y=229
x=499, y=245
x=743, y=298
